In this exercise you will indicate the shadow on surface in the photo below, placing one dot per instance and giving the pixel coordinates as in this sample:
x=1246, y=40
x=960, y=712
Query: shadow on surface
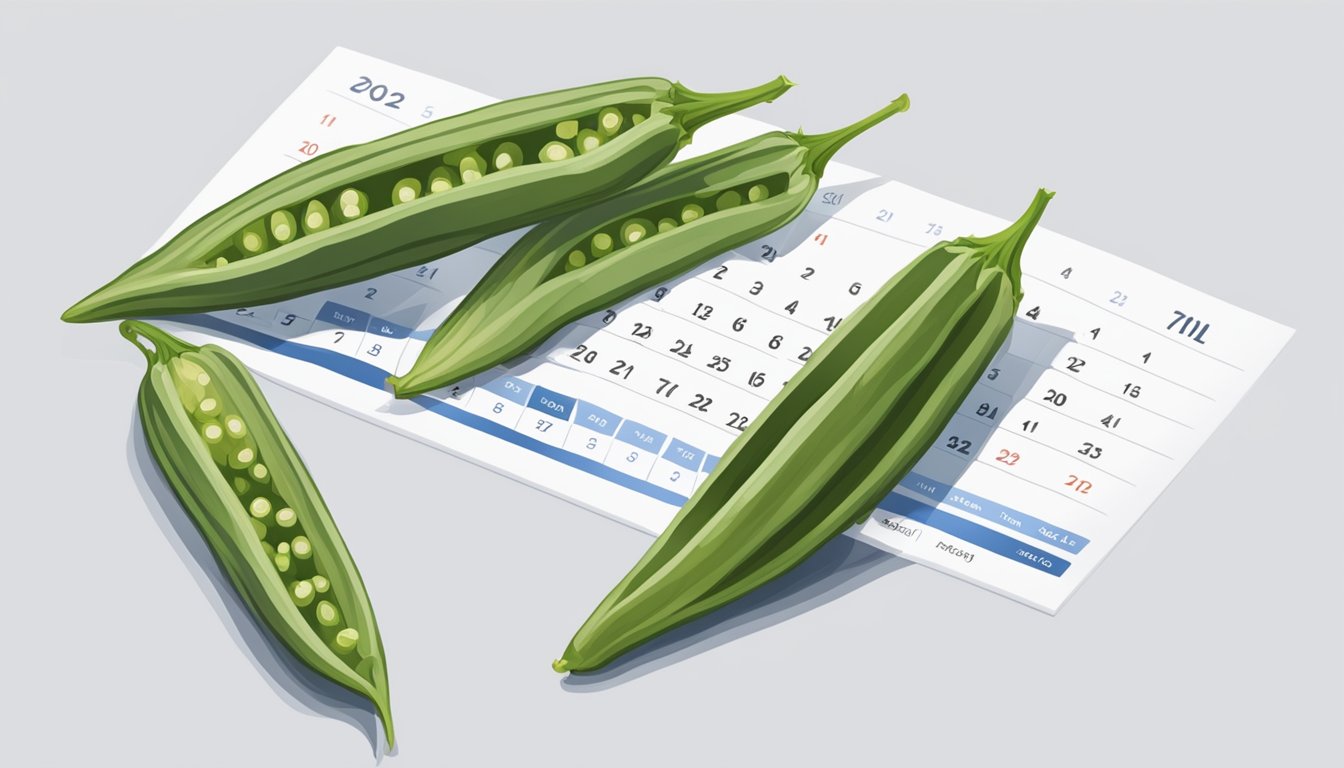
x=839, y=567
x=299, y=686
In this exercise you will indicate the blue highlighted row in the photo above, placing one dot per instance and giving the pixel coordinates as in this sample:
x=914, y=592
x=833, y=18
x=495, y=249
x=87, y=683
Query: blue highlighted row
x=358, y=320
x=995, y=512
x=974, y=533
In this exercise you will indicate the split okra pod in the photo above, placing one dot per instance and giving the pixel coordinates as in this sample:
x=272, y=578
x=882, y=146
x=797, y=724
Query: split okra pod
x=671, y=222
x=245, y=487
x=417, y=195
x=839, y=436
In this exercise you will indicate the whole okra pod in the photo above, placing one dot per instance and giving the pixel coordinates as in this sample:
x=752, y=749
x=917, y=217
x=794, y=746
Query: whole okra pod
x=245, y=487
x=417, y=195
x=669, y=223
x=843, y=432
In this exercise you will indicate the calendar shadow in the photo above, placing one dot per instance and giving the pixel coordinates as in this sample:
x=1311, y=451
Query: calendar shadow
x=841, y=566
x=297, y=685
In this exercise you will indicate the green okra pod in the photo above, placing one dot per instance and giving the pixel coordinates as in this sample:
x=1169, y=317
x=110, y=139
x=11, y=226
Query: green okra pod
x=245, y=487
x=489, y=171
x=571, y=266
x=839, y=436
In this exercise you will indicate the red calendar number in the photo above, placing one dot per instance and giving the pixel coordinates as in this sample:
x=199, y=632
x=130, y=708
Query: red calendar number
x=1078, y=484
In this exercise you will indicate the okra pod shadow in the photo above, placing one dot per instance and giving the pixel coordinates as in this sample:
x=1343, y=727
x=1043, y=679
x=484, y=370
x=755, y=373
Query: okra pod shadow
x=298, y=686
x=844, y=564
x=839, y=567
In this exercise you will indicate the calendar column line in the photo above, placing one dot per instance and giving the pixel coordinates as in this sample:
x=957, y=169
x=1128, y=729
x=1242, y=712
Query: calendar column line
x=1035, y=364
x=637, y=393
x=686, y=363
x=1109, y=434
x=761, y=307
x=1134, y=322
x=1061, y=494
x=1045, y=328
x=1061, y=452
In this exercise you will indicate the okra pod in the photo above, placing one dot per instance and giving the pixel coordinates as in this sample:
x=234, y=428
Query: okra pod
x=571, y=266
x=245, y=487
x=487, y=172
x=839, y=436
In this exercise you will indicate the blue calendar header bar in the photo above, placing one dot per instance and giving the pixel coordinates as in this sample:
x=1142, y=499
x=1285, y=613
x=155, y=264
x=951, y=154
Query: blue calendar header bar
x=389, y=329
x=339, y=314
x=551, y=402
x=681, y=454
x=710, y=463
x=599, y=420
x=641, y=436
x=509, y=388
x=974, y=534
x=995, y=512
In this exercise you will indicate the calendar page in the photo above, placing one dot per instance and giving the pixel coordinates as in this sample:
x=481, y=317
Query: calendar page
x=1111, y=379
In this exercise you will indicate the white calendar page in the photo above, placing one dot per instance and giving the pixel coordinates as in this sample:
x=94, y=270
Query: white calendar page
x=1112, y=378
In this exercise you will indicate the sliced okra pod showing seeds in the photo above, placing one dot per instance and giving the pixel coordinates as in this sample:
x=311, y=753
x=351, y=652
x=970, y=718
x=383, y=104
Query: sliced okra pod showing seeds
x=840, y=435
x=244, y=486
x=573, y=265
x=417, y=195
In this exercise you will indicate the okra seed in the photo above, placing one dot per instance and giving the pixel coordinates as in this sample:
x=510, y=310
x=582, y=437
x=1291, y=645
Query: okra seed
x=260, y=507
x=589, y=140
x=286, y=518
x=240, y=485
x=508, y=155
x=757, y=193
x=601, y=244
x=472, y=168
x=315, y=217
x=352, y=204
x=577, y=258
x=567, y=129
x=667, y=225
x=221, y=262
x=729, y=199
x=440, y=179
x=405, y=191
x=346, y=639
x=268, y=549
x=282, y=562
x=212, y=433
x=252, y=242
x=245, y=456
x=234, y=426
x=282, y=226
x=609, y=120
x=282, y=548
x=203, y=379
x=636, y=119
x=302, y=548
x=327, y=615
x=635, y=230
x=321, y=584
x=259, y=472
x=259, y=528
x=691, y=212
x=302, y=592
x=554, y=151
x=209, y=406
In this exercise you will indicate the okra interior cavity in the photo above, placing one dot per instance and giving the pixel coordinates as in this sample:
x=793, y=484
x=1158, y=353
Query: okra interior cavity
x=660, y=219
x=406, y=184
x=278, y=524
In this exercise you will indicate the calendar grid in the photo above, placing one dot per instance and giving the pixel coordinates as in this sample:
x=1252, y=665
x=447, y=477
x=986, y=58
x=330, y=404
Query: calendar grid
x=1057, y=500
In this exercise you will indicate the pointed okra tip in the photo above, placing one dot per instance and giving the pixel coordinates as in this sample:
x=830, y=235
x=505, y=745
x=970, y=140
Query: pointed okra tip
x=560, y=665
x=693, y=109
x=822, y=146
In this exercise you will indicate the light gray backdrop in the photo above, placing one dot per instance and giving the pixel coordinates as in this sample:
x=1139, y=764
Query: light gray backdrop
x=1200, y=140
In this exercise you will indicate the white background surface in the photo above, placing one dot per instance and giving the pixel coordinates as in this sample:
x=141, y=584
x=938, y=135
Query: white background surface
x=1199, y=140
